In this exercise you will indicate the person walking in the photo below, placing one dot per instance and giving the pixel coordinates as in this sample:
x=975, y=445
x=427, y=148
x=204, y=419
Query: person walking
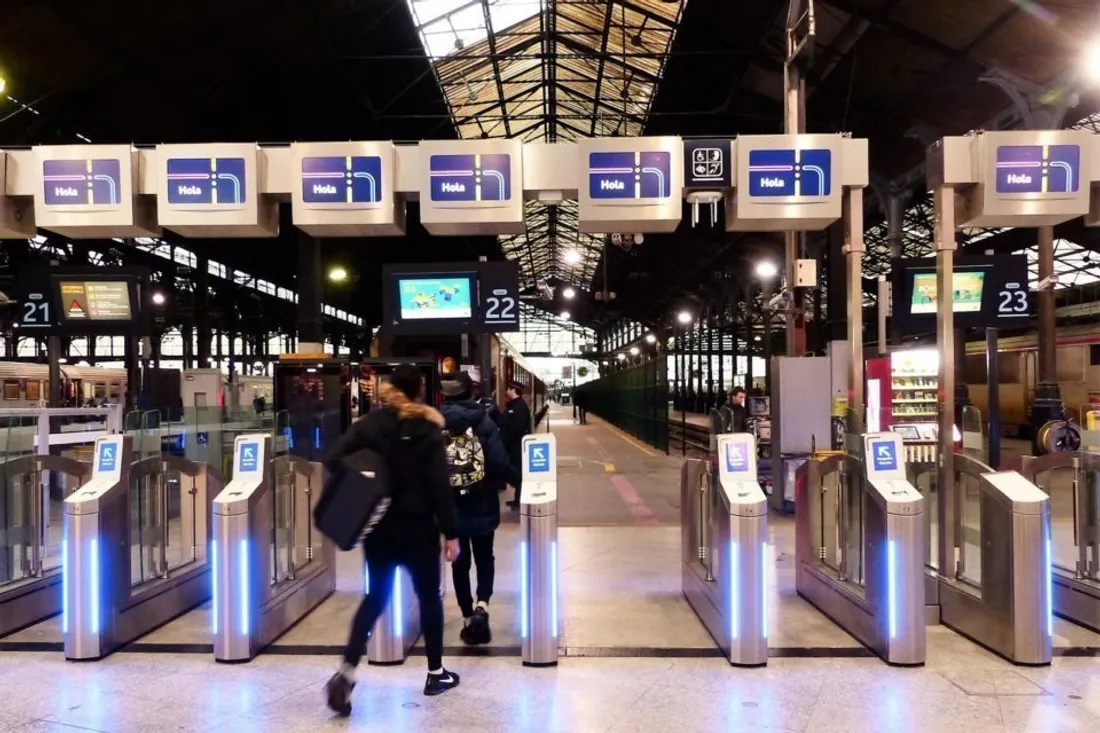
x=478, y=464
x=514, y=426
x=733, y=412
x=406, y=433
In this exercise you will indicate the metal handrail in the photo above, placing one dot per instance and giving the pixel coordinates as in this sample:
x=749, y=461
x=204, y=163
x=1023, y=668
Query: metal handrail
x=1080, y=462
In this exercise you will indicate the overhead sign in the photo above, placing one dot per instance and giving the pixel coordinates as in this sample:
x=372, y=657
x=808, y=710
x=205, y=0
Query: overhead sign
x=89, y=182
x=206, y=182
x=707, y=164
x=96, y=300
x=629, y=175
x=466, y=178
x=498, y=285
x=1038, y=169
x=451, y=298
x=342, y=179
x=884, y=455
x=790, y=173
x=988, y=291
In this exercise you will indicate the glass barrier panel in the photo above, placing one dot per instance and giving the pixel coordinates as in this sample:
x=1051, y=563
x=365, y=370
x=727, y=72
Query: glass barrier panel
x=853, y=517
x=925, y=481
x=180, y=509
x=302, y=520
x=18, y=515
x=1091, y=524
x=283, y=515
x=148, y=552
x=1059, y=486
x=829, y=543
x=973, y=433
x=970, y=528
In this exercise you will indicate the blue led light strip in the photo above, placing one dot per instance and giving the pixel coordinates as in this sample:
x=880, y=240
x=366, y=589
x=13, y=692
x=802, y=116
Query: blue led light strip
x=214, y=586
x=554, y=586
x=94, y=575
x=244, y=587
x=764, y=588
x=891, y=587
x=396, y=605
x=366, y=579
x=1049, y=576
x=523, y=589
x=64, y=585
x=735, y=591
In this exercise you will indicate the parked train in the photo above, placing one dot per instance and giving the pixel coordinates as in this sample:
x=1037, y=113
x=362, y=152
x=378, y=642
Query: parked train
x=1077, y=364
x=27, y=384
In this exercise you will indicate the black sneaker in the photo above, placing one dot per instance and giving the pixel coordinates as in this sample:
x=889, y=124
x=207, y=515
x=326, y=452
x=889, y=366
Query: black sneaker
x=338, y=693
x=437, y=684
x=477, y=631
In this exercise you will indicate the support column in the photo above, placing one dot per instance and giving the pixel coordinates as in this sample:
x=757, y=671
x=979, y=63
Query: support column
x=945, y=336
x=749, y=350
x=837, y=296
x=853, y=258
x=310, y=278
x=799, y=51
x=201, y=351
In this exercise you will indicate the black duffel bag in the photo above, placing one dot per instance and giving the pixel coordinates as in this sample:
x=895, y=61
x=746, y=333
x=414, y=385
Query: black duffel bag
x=354, y=499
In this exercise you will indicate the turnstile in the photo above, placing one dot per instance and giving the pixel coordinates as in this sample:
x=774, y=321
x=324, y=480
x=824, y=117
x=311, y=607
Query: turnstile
x=134, y=556
x=30, y=537
x=724, y=558
x=538, y=551
x=860, y=546
x=271, y=567
x=398, y=628
x=1074, y=532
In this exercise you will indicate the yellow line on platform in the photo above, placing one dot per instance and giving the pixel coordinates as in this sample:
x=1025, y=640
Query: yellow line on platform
x=609, y=467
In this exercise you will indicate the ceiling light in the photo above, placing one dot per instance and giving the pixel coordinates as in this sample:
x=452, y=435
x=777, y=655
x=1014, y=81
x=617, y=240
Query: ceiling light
x=337, y=274
x=1092, y=62
x=633, y=350
x=683, y=317
x=568, y=293
x=622, y=357
x=3, y=84
x=158, y=298
x=565, y=315
x=766, y=269
x=650, y=338
x=572, y=257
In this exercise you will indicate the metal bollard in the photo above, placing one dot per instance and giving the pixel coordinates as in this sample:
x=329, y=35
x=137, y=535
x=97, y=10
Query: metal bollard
x=539, y=621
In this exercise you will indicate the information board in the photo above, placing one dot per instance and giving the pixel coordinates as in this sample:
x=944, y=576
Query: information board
x=451, y=298
x=95, y=300
x=467, y=178
x=630, y=175
x=78, y=300
x=989, y=291
x=218, y=182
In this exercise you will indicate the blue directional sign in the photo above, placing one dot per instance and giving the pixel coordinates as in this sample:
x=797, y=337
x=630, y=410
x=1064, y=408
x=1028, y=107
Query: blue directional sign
x=458, y=178
x=108, y=458
x=342, y=179
x=737, y=457
x=790, y=173
x=94, y=182
x=1038, y=169
x=217, y=181
x=884, y=455
x=538, y=457
x=634, y=175
x=249, y=460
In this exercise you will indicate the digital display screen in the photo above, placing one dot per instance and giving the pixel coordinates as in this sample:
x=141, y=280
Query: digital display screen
x=95, y=300
x=429, y=297
x=968, y=288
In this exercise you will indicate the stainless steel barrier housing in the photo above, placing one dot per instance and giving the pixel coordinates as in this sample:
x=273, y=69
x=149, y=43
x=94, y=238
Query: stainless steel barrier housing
x=1074, y=532
x=135, y=550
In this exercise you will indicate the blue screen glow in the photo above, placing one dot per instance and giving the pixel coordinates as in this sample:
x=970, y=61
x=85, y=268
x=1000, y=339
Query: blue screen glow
x=396, y=605
x=523, y=590
x=764, y=588
x=1050, y=589
x=245, y=585
x=891, y=587
x=214, y=586
x=64, y=585
x=94, y=575
x=554, y=586
x=735, y=591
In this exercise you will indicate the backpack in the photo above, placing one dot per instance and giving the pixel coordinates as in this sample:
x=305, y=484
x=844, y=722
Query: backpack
x=354, y=499
x=466, y=459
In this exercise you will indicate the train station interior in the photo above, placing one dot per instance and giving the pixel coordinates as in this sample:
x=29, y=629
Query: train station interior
x=757, y=343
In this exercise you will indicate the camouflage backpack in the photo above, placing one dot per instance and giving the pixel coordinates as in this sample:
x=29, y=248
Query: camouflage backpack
x=466, y=459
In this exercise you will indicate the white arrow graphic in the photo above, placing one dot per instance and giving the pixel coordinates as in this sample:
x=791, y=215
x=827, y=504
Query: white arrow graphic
x=884, y=451
x=539, y=453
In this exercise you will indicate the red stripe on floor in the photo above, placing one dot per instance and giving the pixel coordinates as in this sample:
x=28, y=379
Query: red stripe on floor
x=633, y=500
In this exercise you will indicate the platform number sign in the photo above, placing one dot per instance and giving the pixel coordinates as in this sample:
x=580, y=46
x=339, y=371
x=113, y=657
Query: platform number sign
x=500, y=307
x=1012, y=300
x=35, y=311
x=498, y=283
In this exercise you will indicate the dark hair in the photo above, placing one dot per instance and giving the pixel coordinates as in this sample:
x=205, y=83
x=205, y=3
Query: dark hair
x=736, y=391
x=408, y=379
x=517, y=388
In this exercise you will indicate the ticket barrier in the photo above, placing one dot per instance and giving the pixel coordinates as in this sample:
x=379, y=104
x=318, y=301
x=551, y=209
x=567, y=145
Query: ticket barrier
x=538, y=551
x=134, y=554
x=1075, y=531
x=997, y=588
x=265, y=581
x=398, y=628
x=860, y=534
x=30, y=541
x=724, y=559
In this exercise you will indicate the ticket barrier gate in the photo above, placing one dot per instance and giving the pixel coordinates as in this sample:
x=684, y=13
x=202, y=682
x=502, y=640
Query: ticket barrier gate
x=398, y=628
x=271, y=567
x=860, y=533
x=30, y=541
x=538, y=550
x=134, y=557
x=1075, y=532
x=724, y=534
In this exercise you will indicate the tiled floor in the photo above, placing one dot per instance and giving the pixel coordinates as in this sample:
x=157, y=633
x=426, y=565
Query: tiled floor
x=144, y=692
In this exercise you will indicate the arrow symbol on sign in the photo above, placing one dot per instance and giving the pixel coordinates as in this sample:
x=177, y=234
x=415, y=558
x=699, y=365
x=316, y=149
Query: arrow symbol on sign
x=884, y=451
x=247, y=452
x=539, y=452
x=108, y=451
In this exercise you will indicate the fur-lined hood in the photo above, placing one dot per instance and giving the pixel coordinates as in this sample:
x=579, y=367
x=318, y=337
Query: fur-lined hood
x=407, y=409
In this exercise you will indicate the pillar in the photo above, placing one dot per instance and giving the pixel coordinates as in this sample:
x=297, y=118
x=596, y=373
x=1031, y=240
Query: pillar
x=310, y=278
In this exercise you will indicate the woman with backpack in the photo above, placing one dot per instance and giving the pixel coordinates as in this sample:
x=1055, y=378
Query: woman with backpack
x=405, y=435
x=478, y=464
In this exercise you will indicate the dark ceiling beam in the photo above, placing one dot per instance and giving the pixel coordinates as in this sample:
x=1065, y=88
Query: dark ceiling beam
x=603, y=56
x=647, y=14
x=882, y=20
x=496, y=63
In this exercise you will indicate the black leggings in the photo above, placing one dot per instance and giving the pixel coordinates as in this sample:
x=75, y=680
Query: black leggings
x=418, y=553
x=480, y=549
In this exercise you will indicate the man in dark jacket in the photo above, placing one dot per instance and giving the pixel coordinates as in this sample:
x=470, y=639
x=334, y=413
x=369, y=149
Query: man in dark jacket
x=515, y=424
x=407, y=433
x=733, y=412
x=478, y=505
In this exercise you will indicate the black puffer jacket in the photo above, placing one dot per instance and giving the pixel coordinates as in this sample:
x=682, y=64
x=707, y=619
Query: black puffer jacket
x=479, y=510
x=408, y=434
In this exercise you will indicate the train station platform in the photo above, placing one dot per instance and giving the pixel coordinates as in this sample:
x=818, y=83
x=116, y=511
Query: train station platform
x=634, y=657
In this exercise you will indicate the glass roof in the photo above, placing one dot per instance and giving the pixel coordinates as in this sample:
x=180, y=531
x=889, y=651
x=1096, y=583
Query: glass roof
x=548, y=70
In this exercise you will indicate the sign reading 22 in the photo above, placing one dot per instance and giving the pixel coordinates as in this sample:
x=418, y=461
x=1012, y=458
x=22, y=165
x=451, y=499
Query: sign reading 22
x=502, y=308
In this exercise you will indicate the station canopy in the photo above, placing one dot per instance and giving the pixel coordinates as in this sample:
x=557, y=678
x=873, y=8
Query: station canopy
x=548, y=71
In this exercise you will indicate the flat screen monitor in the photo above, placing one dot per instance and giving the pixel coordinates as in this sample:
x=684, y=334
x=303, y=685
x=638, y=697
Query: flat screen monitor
x=448, y=296
x=968, y=288
x=95, y=300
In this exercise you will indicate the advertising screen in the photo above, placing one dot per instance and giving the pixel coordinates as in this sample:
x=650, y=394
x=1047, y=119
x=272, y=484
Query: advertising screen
x=423, y=297
x=96, y=300
x=968, y=288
